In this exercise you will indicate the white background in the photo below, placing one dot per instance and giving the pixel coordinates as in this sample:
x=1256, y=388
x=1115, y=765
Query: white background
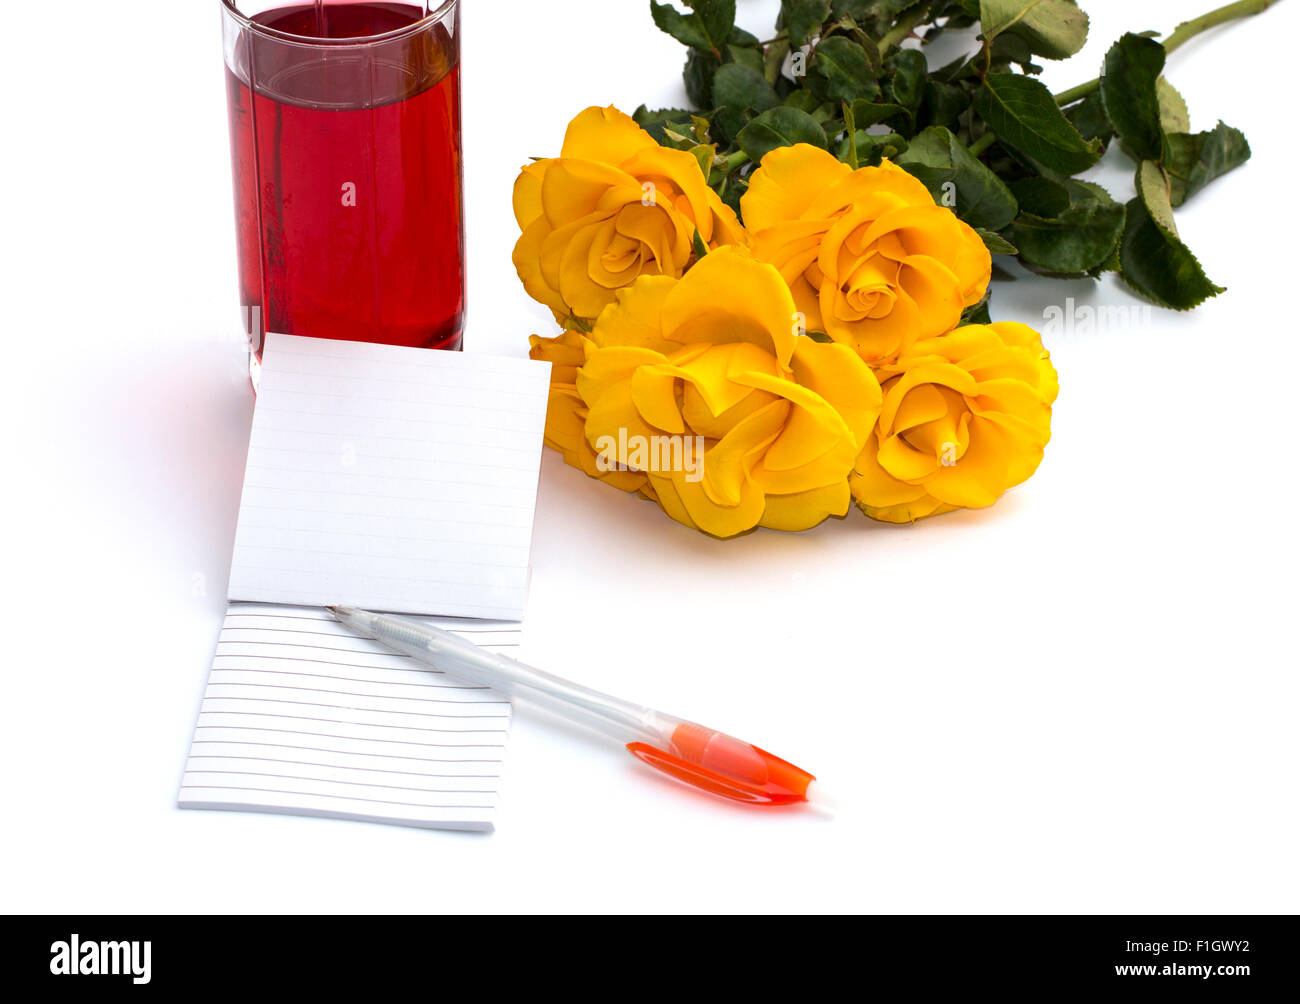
x=1084, y=699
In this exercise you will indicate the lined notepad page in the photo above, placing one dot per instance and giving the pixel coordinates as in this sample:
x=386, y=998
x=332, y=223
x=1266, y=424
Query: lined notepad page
x=391, y=479
x=301, y=716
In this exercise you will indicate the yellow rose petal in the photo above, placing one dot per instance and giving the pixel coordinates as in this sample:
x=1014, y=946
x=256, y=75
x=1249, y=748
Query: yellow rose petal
x=722, y=521
x=572, y=189
x=727, y=228
x=726, y=465
x=730, y=297
x=874, y=486
x=614, y=260
x=605, y=134
x=813, y=428
x=718, y=373
x=910, y=512
x=663, y=232
x=527, y=258
x=675, y=171
x=703, y=422
x=805, y=510
x=900, y=460
x=615, y=421
x=786, y=182
x=791, y=247
x=609, y=367
x=636, y=317
x=528, y=193
x=840, y=376
x=565, y=353
x=654, y=391
x=584, y=295
x=994, y=462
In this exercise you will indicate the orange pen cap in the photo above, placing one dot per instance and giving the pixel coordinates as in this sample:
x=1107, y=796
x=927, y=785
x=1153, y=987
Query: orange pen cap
x=722, y=765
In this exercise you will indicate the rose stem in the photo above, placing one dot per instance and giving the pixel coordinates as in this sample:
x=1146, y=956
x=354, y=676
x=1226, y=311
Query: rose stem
x=1184, y=33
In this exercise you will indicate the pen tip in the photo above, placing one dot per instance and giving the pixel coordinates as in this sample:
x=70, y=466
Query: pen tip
x=821, y=799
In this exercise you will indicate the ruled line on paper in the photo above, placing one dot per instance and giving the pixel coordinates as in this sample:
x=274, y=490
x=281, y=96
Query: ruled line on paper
x=346, y=693
x=294, y=741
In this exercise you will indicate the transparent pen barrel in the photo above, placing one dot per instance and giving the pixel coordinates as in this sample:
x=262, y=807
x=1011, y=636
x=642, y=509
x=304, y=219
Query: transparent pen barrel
x=616, y=718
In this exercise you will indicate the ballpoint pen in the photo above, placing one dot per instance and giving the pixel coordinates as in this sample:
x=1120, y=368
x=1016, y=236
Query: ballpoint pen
x=699, y=756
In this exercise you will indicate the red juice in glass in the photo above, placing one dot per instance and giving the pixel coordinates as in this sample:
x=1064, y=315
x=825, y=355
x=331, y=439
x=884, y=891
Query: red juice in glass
x=345, y=132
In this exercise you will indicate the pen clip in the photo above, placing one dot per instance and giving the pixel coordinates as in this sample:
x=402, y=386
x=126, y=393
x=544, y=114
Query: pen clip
x=715, y=782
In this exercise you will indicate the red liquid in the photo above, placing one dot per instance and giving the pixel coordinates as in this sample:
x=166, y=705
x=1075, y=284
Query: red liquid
x=348, y=178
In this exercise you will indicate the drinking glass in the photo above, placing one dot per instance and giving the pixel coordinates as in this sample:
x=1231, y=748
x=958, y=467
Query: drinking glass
x=345, y=130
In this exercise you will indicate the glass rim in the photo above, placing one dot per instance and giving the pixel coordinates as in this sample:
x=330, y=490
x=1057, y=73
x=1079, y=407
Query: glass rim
x=433, y=17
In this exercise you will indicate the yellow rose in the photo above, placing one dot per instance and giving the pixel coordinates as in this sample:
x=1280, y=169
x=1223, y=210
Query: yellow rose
x=615, y=205
x=966, y=416
x=870, y=258
x=566, y=412
x=701, y=387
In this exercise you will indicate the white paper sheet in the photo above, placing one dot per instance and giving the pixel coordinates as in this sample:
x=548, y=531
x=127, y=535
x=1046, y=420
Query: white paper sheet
x=391, y=479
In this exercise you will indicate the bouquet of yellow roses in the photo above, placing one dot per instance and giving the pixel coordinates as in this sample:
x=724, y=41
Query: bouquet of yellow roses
x=777, y=372
x=774, y=302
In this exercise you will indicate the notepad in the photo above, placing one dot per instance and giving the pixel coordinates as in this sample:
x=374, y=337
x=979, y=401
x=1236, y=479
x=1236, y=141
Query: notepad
x=396, y=480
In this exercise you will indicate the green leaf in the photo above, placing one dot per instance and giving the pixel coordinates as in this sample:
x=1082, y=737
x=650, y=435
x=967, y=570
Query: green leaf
x=1159, y=266
x=851, y=130
x=701, y=249
x=780, y=127
x=844, y=67
x=937, y=158
x=739, y=86
x=1153, y=189
x=698, y=75
x=907, y=82
x=1193, y=161
x=1024, y=115
x=856, y=9
x=1111, y=264
x=747, y=56
x=1074, y=240
x=1173, y=109
x=996, y=243
x=1056, y=29
x=728, y=121
x=774, y=60
x=706, y=28
x=1042, y=197
x=704, y=154
x=869, y=113
x=978, y=314
x=804, y=17
x=1128, y=91
x=1008, y=49
x=803, y=99
x=943, y=104
x=1089, y=117
x=871, y=149
x=655, y=122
